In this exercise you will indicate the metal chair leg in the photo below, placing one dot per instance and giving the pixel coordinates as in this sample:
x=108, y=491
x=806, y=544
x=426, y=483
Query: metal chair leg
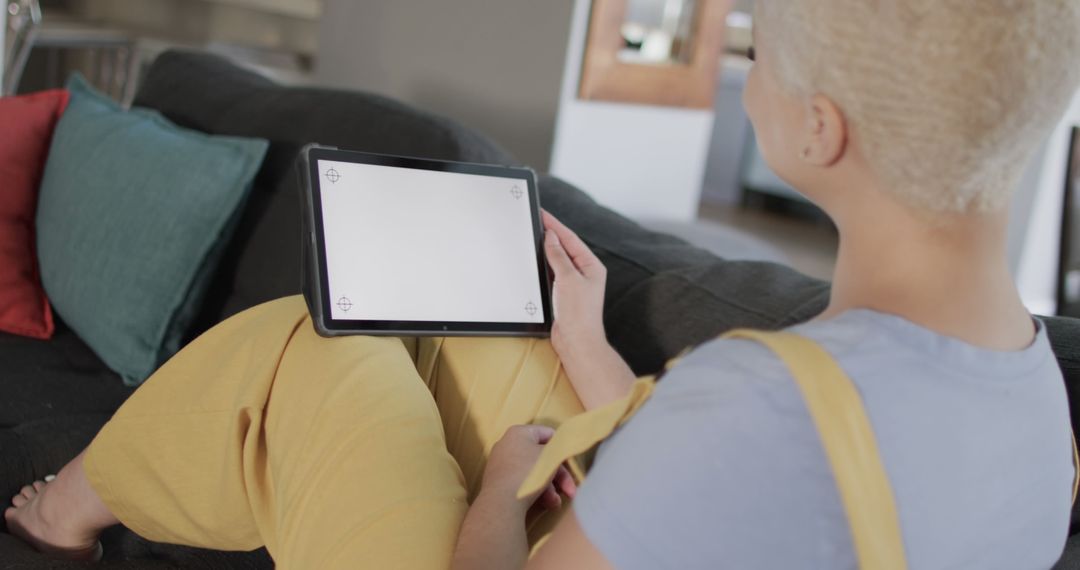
x=24, y=21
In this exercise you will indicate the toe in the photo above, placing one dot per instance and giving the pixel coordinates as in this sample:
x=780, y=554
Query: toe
x=39, y=485
x=18, y=501
x=28, y=492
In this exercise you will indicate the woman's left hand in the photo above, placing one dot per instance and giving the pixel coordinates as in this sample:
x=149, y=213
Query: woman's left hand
x=510, y=462
x=578, y=292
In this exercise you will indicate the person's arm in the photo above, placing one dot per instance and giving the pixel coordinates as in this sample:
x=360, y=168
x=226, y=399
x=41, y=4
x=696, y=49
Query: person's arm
x=493, y=534
x=599, y=375
x=568, y=549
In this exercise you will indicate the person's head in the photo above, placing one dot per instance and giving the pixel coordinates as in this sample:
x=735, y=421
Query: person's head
x=940, y=102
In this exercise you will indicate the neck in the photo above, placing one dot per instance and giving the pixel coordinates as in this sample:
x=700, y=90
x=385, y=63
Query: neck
x=950, y=276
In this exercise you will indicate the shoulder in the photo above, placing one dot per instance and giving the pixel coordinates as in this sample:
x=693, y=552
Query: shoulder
x=720, y=373
x=722, y=465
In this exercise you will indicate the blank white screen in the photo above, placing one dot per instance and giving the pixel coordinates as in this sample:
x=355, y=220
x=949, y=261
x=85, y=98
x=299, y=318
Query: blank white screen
x=418, y=245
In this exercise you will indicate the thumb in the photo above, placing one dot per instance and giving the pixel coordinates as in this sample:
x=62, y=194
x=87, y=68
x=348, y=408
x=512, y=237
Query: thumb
x=557, y=257
x=541, y=434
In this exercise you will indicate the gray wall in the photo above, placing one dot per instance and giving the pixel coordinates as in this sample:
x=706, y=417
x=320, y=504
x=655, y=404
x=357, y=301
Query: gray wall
x=495, y=66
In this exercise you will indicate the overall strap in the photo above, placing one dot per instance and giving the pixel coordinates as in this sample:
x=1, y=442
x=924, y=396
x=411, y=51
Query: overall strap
x=848, y=438
x=581, y=433
x=1076, y=468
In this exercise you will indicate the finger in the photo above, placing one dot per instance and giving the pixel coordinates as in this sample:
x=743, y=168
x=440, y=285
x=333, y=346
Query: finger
x=535, y=433
x=550, y=500
x=542, y=434
x=542, y=505
x=541, y=498
x=564, y=482
x=558, y=258
x=548, y=219
x=555, y=304
x=583, y=257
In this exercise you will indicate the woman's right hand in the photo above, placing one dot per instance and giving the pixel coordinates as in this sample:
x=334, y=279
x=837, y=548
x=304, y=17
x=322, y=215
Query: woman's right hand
x=578, y=293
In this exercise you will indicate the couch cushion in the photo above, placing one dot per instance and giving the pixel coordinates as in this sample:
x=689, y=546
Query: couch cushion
x=28, y=122
x=679, y=308
x=54, y=378
x=129, y=232
x=1070, y=559
x=664, y=295
x=1065, y=339
x=262, y=260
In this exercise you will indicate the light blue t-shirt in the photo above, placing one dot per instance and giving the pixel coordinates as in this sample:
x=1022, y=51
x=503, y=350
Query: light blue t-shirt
x=723, y=467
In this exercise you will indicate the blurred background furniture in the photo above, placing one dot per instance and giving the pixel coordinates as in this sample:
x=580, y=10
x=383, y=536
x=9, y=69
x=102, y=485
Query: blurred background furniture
x=111, y=41
x=22, y=19
x=107, y=56
x=636, y=111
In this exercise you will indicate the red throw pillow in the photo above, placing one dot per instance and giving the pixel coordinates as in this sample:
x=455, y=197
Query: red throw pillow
x=27, y=127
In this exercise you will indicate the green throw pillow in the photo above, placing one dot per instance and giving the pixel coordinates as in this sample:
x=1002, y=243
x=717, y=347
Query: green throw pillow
x=132, y=217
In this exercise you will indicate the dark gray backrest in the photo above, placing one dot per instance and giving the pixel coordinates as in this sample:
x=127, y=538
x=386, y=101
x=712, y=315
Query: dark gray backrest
x=211, y=94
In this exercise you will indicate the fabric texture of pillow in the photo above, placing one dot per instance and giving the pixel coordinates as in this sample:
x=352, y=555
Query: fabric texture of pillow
x=132, y=219
x=28, y=122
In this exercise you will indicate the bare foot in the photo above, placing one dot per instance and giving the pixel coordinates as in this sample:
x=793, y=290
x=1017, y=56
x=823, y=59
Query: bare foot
x=29, y=520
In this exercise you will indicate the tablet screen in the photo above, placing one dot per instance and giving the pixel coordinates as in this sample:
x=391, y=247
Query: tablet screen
x=408, y=244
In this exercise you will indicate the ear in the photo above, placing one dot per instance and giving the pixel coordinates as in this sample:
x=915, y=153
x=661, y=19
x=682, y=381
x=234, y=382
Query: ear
x=826, y=134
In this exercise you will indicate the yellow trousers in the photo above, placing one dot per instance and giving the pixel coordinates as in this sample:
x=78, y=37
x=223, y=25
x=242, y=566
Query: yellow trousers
x=352, y=452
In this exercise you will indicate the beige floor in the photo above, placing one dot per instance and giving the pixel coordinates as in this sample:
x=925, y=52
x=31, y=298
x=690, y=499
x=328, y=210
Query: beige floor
x=809, y=244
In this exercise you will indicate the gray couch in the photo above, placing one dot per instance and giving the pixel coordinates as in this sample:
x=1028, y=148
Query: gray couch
x=663, y=294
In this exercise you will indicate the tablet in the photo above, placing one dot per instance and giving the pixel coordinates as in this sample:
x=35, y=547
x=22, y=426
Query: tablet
x=406, y=246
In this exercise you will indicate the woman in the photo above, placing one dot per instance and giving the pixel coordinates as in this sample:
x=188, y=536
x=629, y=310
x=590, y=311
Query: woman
x=907, y=121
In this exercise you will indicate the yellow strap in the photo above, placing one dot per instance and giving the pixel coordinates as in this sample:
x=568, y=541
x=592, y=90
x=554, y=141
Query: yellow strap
x=848, y=438
x=580, y=434
x=1076, y=468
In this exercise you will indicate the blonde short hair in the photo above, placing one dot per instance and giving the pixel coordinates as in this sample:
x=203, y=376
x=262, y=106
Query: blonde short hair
x=947, y=98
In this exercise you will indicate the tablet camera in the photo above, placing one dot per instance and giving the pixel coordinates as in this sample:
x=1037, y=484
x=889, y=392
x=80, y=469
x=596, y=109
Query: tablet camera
x=345, y=304
x=333, y=175
x=530, y=308
x=517, y=192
